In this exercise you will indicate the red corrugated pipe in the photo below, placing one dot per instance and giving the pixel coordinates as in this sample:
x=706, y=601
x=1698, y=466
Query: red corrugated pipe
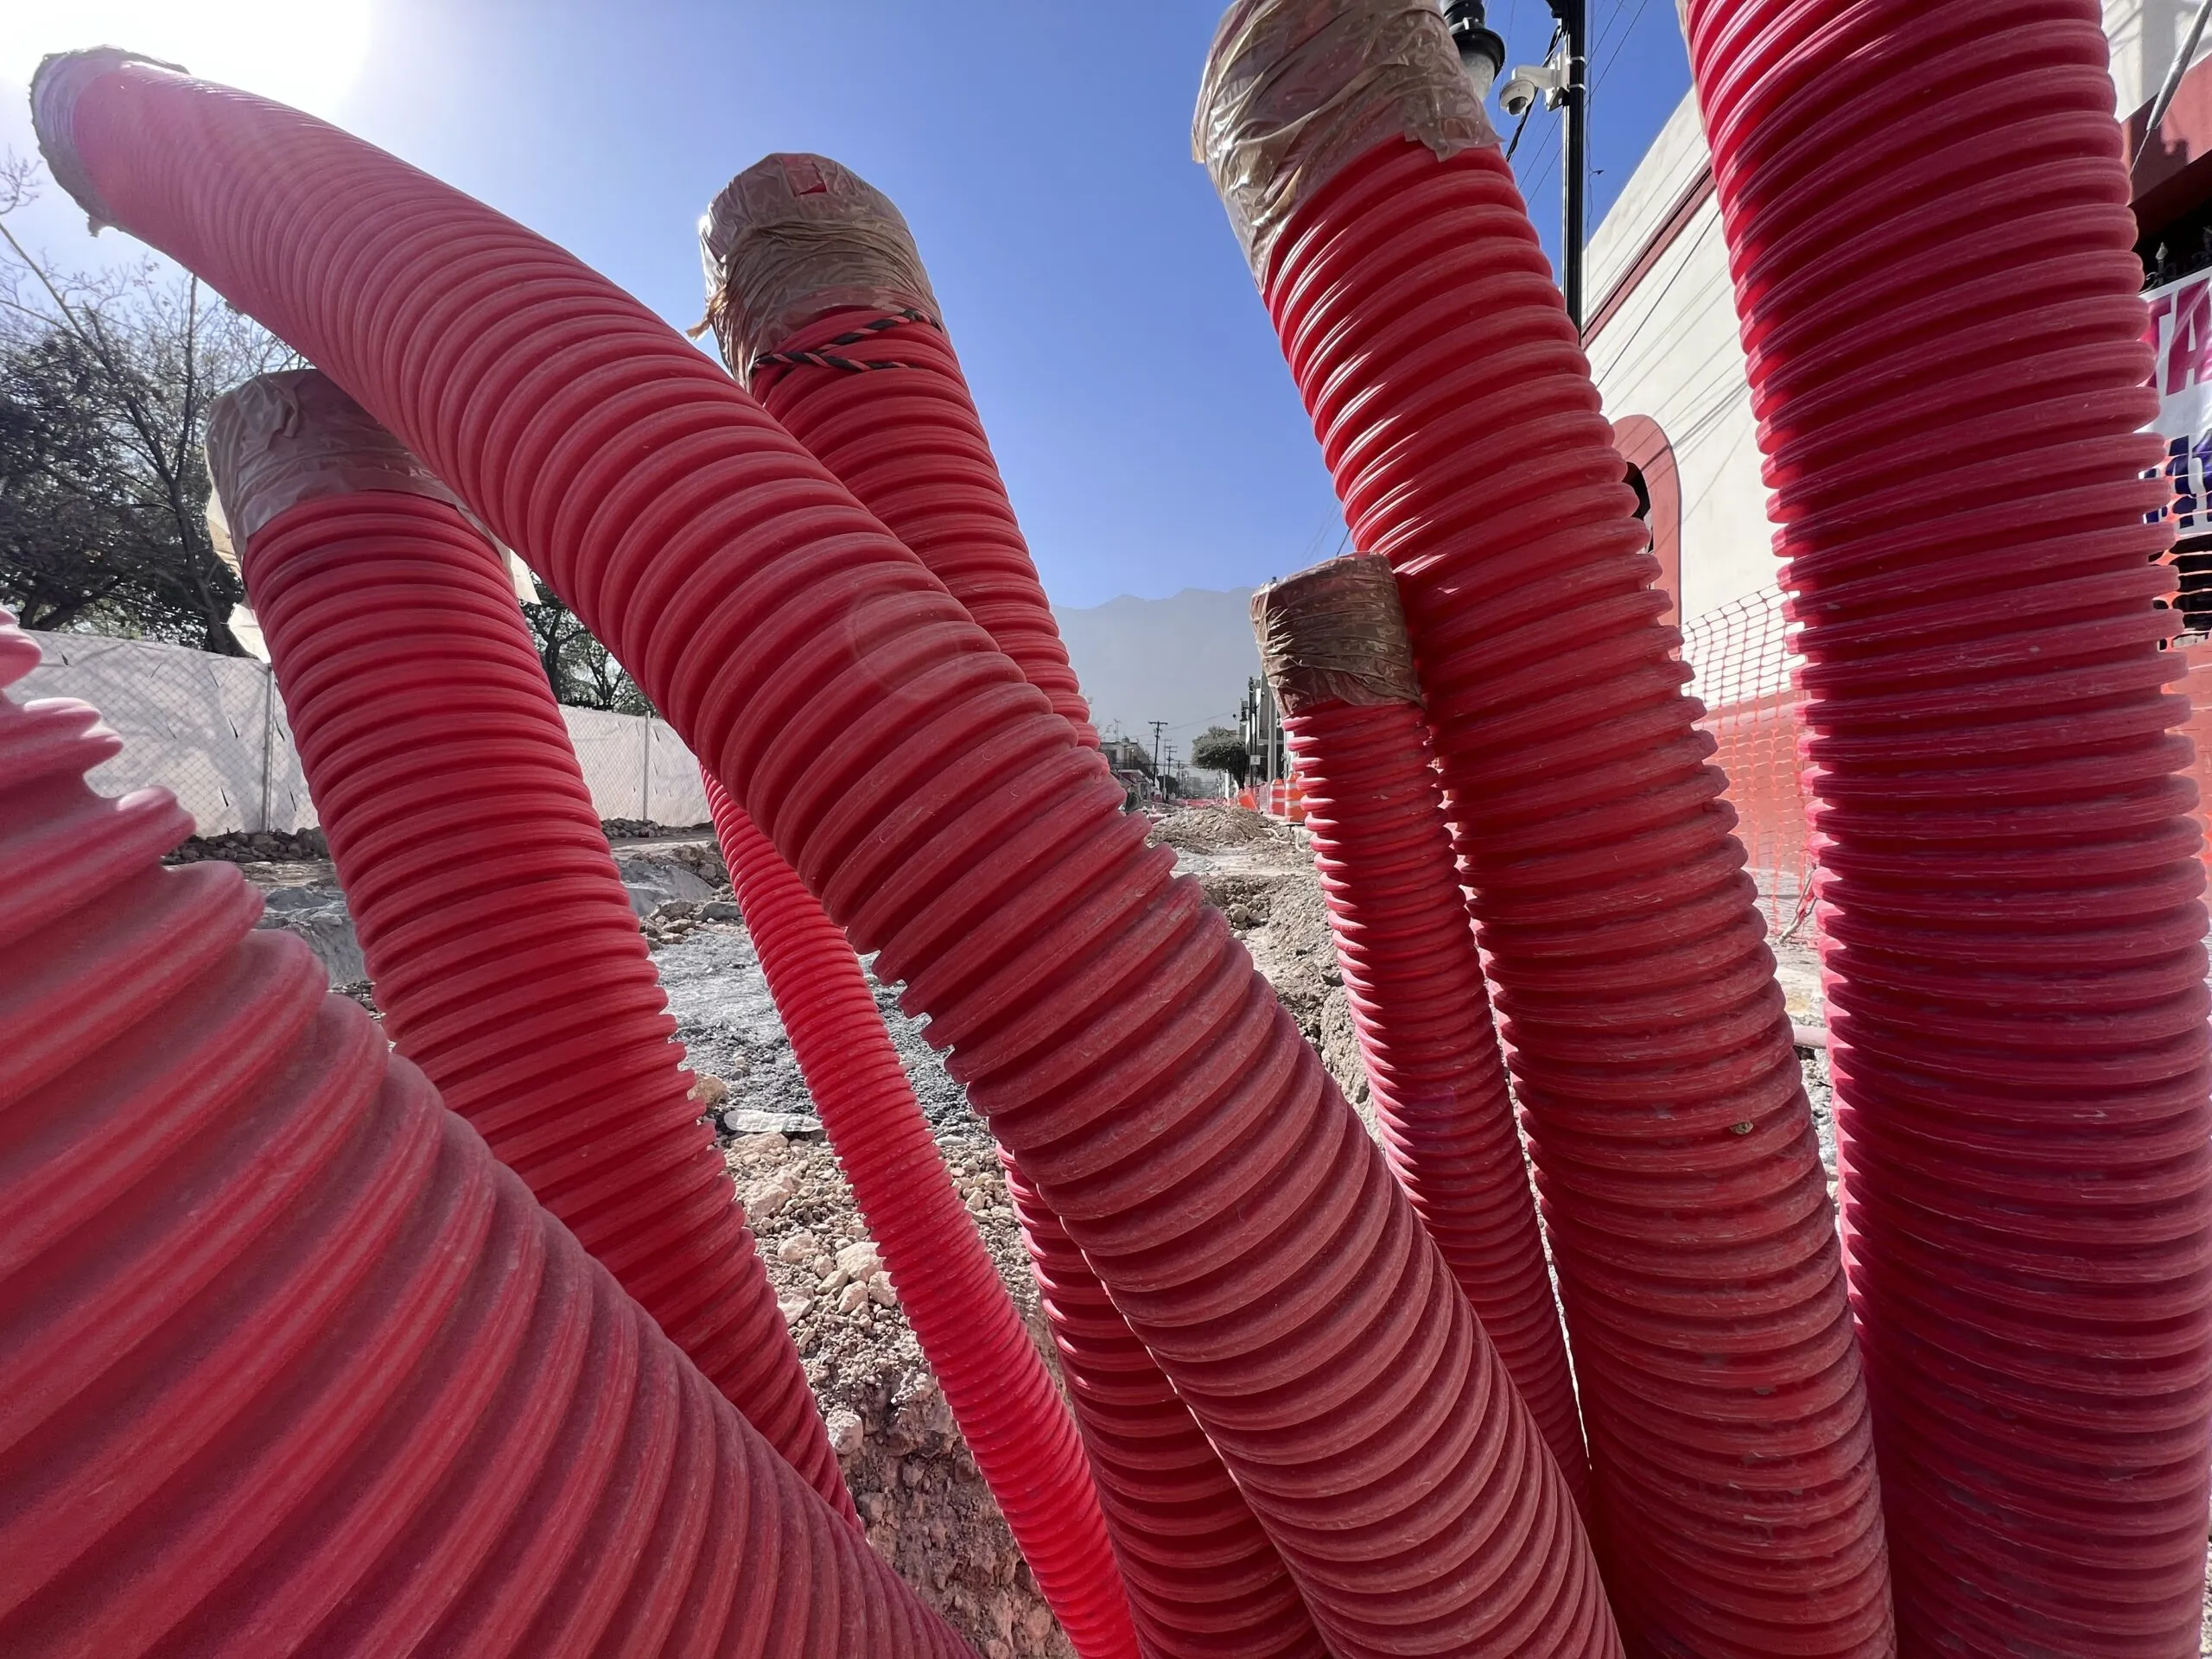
x=905, y=437
x=1202, y=1578
x=1682, y=1189
x=288, y=1364
x=506, y=956
x=837, y=333
x=1926, y=215
x=1332, y=640
x=1158, y=1093
x=1015, y=1425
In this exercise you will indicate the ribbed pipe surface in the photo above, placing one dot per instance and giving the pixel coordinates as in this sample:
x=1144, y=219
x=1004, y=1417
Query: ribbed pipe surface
x=1927, y=213
x=1202, y=1578
x=1011, y=1416
x=505, y=952
x=1434, y=1074
x=300, y=1369
x=910, y=445
x=1152, y=1087
x=1682, y=1190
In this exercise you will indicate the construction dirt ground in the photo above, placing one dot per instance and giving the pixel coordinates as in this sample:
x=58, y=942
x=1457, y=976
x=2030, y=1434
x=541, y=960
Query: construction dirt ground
x=924, y=1503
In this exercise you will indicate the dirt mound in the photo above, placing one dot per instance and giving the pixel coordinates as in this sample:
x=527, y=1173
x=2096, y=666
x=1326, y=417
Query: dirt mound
x=926, y=1507
x=1211, y=829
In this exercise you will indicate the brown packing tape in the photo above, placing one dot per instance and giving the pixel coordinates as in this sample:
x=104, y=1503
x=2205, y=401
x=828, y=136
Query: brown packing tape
x=282, y=439
x=55, y=84
x=1293, y=89
x=794, y=237
x=1335, y=634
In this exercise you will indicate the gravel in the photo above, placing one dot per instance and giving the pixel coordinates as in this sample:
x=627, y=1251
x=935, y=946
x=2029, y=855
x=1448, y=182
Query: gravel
x=727, y=1022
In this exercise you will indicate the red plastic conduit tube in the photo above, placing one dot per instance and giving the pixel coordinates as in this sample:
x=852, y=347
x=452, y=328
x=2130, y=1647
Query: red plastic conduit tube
x=1202, y=1576
x=816, y=289
x=1682, y=1189
x=308, y=1372
x=1939, y=299
x=505, y=952
x=1153, y=1089
x=1332, y=640
x=1012, y=1417
x=800, y=241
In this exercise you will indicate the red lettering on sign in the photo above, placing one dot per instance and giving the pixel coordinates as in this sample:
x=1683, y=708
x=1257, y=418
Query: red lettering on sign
x=2185, y=357
x=2160, y=308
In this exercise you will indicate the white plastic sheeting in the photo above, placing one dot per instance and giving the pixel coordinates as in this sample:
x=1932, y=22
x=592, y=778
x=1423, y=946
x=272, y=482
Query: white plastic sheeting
x=211, y=730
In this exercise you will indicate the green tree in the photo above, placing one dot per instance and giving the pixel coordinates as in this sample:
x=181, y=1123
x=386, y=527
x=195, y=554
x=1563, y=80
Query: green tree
x=105, y=384
x=583, y=672
x=1218, y=749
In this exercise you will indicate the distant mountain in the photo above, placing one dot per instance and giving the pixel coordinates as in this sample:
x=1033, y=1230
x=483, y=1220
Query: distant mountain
x=1184, y=660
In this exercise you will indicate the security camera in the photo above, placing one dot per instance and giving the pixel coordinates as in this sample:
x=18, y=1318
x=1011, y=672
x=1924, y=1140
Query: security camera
x=1525, y=85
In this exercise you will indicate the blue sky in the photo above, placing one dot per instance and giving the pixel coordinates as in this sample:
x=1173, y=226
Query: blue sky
x=1148, y=431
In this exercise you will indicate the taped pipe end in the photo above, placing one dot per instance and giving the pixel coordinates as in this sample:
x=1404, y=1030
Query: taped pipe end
x=798, y=236
x=281, y=439
x=60, y=79
x=1294, y=89
x=1336, y=633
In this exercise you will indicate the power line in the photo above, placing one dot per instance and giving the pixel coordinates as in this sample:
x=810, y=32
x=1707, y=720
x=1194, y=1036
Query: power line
x=1689, y=257
x=1523, y=125
x=1619, y=43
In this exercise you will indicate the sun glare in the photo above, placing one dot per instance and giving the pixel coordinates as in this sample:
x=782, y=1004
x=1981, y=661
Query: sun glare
x=306, y=54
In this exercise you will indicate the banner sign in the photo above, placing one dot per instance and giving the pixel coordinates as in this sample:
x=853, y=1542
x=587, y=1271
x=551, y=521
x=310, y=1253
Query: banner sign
x=2180, y=334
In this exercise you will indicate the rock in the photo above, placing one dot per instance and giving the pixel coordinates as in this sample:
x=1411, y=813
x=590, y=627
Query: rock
x=720, y=910
x=709, y=1092
x=319, y=916
x=860, y=1261
x=880, y=1290
x=850, y=1299
x=793, y=1308
x=768, y=1143
x=764, y=1199
x=847, y=1432
x=1241, y=916
x=835, y=1280
x=799, y=1247
x=653, y=881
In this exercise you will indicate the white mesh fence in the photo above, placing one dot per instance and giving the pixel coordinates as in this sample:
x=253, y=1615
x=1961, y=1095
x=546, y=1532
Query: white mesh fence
x=211, y=730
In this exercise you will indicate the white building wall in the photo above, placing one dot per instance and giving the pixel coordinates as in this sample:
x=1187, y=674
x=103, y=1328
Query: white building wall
x=1672, y=352
x=2144, y=35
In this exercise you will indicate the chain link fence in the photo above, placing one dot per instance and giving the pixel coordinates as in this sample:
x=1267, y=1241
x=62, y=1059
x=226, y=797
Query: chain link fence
x=1744, y=666
x=1745, y=673
x=211, y=731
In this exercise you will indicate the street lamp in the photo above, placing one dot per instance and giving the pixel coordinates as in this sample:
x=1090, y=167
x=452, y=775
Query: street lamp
x=1482, y=48
x=1563, y=82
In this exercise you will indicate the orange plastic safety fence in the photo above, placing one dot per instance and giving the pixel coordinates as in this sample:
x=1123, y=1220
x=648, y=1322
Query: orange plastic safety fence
x=1741, y=657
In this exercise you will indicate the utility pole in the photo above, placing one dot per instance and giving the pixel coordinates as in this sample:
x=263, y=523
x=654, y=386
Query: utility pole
x=1574, y=48
x=1157, y=727
x=1563, y=81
